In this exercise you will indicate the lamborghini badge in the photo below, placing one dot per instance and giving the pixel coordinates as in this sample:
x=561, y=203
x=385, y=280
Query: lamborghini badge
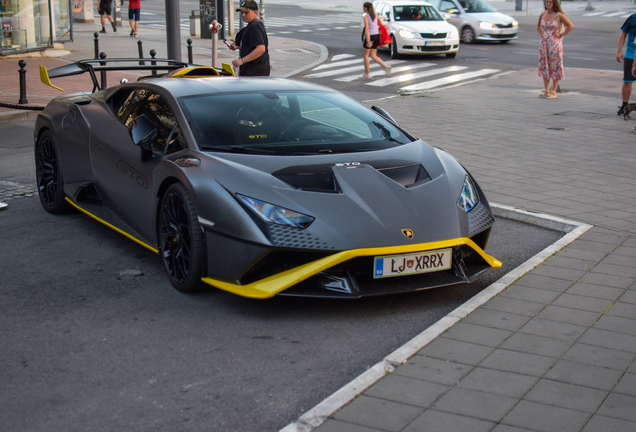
x=408, y=232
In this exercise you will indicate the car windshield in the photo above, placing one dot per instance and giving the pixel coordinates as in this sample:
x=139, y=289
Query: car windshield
x=477, y=6
x=416, y=13
x=288, y=123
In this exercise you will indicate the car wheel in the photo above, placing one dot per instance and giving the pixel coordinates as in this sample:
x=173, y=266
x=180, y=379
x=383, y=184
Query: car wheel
x=451, y=55
x=180, y=239
x=505, y=41
x=48, y=173
x=468, y=35
x=394, y=50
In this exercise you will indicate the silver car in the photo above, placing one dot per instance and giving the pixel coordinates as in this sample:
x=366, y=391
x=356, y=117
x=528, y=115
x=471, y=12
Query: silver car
x=476, y=20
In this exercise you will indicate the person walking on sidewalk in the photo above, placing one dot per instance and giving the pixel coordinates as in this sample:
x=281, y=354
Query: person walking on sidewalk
x=628, y=32
x=134, y=15
x=252, y=43
x=370, y=40
x=553, y=25
x=105, y=7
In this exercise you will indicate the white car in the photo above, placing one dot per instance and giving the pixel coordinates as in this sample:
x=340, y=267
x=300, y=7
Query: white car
x=417, y=27
x=478, y=21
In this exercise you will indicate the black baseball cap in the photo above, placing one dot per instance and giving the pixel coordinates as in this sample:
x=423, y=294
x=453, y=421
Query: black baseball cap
x=247, y=5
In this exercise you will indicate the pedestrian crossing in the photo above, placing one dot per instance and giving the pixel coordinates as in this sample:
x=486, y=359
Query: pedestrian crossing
x=605, y=14
x=409, y=75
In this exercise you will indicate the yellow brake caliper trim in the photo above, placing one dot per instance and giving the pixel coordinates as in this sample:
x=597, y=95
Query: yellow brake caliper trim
x=272, y=285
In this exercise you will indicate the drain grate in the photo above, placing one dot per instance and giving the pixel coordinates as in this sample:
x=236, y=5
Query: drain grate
x=582, y=114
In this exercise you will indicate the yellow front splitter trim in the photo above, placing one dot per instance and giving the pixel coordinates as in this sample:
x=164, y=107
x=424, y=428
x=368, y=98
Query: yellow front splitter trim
x=272, y=285
x=109, y=225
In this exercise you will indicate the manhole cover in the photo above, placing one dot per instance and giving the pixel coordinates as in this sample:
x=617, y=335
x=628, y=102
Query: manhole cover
x=582, y=114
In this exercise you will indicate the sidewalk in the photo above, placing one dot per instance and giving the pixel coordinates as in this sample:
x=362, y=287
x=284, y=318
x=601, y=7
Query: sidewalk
x=555, y=350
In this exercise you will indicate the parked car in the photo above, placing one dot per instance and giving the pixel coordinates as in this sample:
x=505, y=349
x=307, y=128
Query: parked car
x=476, y=20
x=417, y=28
x=261, y=186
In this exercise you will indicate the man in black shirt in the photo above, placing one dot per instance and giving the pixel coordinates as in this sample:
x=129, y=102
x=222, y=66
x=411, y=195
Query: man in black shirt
x=252, y=42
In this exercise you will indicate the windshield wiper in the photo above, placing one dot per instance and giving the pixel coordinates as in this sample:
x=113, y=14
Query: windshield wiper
x=385, y=132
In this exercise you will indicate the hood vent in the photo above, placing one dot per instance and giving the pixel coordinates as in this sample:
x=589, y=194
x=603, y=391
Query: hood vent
x=320, y=178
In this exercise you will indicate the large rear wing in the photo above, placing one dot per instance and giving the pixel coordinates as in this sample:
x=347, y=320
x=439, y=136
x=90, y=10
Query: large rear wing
x=172, y=68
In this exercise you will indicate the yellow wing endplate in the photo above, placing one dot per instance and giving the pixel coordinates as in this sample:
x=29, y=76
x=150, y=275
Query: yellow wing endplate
x=228, y=68
x=44, y=77
x=195, y=72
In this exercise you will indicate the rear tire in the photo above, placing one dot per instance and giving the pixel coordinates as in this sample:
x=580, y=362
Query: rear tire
x=180, y=239
x=48, y=173
x=394, y=50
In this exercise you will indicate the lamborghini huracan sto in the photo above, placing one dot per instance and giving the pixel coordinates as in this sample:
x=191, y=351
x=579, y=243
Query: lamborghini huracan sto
x=261, y=186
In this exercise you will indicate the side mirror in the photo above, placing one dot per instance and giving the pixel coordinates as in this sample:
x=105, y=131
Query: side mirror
x=453, y=11
x=446, y=15
x=384, y=114
x=143, y=132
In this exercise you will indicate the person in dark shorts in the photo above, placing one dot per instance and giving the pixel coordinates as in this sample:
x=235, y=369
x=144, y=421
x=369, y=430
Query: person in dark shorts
x=628, y=33
x=105, y=7
x=252, y=43
x=371, y=40
x=134, y=14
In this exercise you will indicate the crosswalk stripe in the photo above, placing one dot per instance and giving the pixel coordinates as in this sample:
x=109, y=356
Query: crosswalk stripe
x=593, y=13
x=341, y=56
x=447, y=80
x=381, y=72
x=613, y=14
x=349, y=69
x=337, y=63
x=409, y=77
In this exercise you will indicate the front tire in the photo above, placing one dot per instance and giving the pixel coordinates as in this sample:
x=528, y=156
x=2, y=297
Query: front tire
x=468, y=35
x=451, y=55
x=394, y=49
x=180, y=239
x=48, y=173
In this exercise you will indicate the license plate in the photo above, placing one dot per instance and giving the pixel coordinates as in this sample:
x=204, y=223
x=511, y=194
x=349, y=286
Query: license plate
x=431, y=43
x=409, y=264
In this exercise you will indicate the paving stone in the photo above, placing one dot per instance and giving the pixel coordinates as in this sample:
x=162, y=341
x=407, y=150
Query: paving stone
x=618, y=259
x=619, y=406
x=497, y=319
x=553, y=329
x=607, y=280
x=572, y=372
x=599, y=423
x=571, y=263
x=617, y=270
x=407, y=390
x=624, y=310
x=507, y=428
x=543, y=282
x=519, y=307
x=627, y=385
x=538, y=345
x=332, y=425
x=471, y=403
x=433, y=420
x=592, y=246
x=607, y=339
x=599, y=356
x=559, y=272
x=433, y=370
x=545, y=418
x=625, y=251
x=602, y=236
x=498, y=382
x=536, y=295
x=378, y=413
x=628, y=297
x=518, y=362
x=616, y=324
x=571, y=252
x=477, y=334
x=456, y=351
x=597, y=291
x=582, y=302
x=569, y=315
x=567, y=395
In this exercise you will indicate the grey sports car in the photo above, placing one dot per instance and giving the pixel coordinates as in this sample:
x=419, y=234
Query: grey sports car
x=262, y=186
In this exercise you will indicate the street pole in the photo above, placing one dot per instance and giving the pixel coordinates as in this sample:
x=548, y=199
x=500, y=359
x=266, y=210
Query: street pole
x=173, y=30
x=262, y=10
x=230, y=18
x=589, y=6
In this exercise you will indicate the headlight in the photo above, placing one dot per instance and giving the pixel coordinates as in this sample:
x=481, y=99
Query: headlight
x=274, y=214
x=515, y=23
x=453, y=34
x=468, y=199
x=486, y=25
x=407, y=34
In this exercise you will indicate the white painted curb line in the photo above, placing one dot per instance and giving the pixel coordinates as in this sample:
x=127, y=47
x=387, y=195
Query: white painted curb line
x=318, y=414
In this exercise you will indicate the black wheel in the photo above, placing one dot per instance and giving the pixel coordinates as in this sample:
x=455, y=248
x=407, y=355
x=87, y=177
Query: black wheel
x=394, y=50
x=505, y=41
x=468, y=35
x=180, y=239
x=48, y=173
x=451, y=55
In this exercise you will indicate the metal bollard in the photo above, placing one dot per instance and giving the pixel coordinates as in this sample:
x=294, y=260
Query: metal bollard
x=141, y=52
x=102, y=74
x=153, y=53
x=96, y=41
x=214, y=29
x=190, y=51
x=22, y=71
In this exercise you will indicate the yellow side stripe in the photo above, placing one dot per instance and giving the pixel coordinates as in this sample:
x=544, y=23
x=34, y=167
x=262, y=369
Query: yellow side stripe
x=274, y=284
x=136, y=240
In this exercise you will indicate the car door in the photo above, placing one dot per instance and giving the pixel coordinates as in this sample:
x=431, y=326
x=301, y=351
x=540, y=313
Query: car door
x=124, y=171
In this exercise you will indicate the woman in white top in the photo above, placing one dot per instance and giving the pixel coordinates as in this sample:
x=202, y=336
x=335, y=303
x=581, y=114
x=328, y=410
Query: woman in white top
x=371, y=39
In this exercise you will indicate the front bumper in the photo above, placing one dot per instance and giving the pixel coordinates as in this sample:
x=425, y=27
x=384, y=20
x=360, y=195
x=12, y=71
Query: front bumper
x=420, y=46
x=497, y=34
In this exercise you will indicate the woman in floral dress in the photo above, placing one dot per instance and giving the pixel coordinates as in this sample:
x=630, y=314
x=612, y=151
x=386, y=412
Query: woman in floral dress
x=551, y=45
